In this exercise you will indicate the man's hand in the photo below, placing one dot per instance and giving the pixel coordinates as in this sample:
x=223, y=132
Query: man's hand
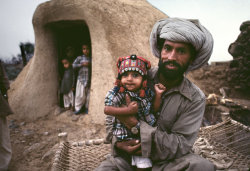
x=129, y=121
x=130, y=146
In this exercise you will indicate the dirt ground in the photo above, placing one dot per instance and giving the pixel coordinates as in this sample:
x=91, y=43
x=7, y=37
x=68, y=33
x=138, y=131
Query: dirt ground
x=33, y=142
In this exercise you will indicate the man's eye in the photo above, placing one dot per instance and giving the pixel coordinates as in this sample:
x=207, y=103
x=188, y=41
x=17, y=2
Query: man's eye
x=167, y=48
x=182, y=51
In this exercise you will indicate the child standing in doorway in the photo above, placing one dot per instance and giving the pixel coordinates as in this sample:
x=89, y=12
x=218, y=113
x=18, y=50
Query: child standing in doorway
x=67, y=84
x=132, y=81
x=83, y=64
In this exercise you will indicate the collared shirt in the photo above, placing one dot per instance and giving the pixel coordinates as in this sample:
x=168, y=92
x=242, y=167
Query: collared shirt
x=177, y=127
x=83, y=73
x=117, y=99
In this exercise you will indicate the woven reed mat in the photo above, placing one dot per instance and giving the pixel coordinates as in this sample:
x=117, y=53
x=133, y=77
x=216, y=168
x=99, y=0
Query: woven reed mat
x=80, y=156
x=226, y=144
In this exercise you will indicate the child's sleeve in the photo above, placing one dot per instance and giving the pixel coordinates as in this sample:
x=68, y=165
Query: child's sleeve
x=109, y=99
x=109, y=121
x=76, y=63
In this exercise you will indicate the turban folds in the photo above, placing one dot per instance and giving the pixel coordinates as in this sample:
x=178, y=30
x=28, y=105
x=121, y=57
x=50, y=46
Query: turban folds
x=186, y=31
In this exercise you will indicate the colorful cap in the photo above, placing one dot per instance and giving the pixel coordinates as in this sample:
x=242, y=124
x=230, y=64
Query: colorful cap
x=133, y=63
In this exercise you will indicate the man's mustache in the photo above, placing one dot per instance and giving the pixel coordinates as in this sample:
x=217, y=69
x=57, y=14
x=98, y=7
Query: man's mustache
x=174, y=63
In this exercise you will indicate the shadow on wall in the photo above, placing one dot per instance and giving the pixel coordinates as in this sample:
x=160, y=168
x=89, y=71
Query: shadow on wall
x=69, y=36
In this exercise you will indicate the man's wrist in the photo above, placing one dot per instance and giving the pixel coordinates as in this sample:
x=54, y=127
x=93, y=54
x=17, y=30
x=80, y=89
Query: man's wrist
x=136, y=129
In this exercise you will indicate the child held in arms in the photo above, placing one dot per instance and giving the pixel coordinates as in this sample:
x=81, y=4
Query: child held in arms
x=131, y=84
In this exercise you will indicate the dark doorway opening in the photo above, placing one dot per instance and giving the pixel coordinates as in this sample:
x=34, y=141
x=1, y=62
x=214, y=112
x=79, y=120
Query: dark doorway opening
x=70, y=36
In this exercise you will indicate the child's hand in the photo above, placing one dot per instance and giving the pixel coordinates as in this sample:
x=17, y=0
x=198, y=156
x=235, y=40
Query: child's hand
x=159, y=88
x=85, y=63
x=133, y=107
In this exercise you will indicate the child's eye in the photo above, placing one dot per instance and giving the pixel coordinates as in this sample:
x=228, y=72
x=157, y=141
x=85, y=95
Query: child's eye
x=135, y=75
x=125, y=74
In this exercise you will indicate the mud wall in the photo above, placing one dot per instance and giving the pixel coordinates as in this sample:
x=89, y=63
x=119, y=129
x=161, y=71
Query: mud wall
x=117, y=28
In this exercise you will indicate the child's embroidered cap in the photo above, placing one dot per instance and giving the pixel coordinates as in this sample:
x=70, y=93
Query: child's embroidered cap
x=133, y=63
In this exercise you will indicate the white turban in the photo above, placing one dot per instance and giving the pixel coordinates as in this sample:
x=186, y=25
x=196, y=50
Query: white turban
x=186, y=31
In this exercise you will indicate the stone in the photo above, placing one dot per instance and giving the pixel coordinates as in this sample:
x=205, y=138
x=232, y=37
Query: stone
x=27, y=132
x=22, y=123
x=47, y=157
x=58, y=111
x=75, y=118
x=13, y=124
x=63, y=136
x=212, y=99
x=31, y=148
x=81, y=143
x=98, y=141
x=89, y=142
x=75, y=144
x=46, y=133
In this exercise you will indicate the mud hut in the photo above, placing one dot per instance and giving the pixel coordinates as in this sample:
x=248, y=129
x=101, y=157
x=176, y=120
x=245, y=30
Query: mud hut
x=113, y=28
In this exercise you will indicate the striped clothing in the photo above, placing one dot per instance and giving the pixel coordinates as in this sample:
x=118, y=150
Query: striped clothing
x=117, y=99
x=83, y=73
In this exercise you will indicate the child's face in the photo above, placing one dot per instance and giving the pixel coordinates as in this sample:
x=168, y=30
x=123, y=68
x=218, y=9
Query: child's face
x=132, y=80
x=85, y=50
x=65, y=63
x=70, y=52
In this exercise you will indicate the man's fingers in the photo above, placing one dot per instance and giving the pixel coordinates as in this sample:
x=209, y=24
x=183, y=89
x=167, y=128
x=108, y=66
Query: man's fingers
x=128, y=100
x=133, y=149
x=138, y=153
x=133, y=142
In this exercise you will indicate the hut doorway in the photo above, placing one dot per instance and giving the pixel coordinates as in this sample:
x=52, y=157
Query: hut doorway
x=70, y=36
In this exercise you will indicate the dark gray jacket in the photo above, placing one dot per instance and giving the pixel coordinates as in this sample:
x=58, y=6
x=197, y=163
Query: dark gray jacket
x=4, y=86
x=68, y=81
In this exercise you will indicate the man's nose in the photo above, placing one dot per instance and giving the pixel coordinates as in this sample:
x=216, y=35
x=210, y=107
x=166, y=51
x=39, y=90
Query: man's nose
x=172, y=55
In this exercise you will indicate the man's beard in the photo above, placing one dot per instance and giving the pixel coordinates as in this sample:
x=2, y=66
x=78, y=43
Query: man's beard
x=172, y=74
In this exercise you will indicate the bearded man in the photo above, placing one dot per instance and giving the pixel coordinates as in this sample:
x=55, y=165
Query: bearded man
x=181, y=45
